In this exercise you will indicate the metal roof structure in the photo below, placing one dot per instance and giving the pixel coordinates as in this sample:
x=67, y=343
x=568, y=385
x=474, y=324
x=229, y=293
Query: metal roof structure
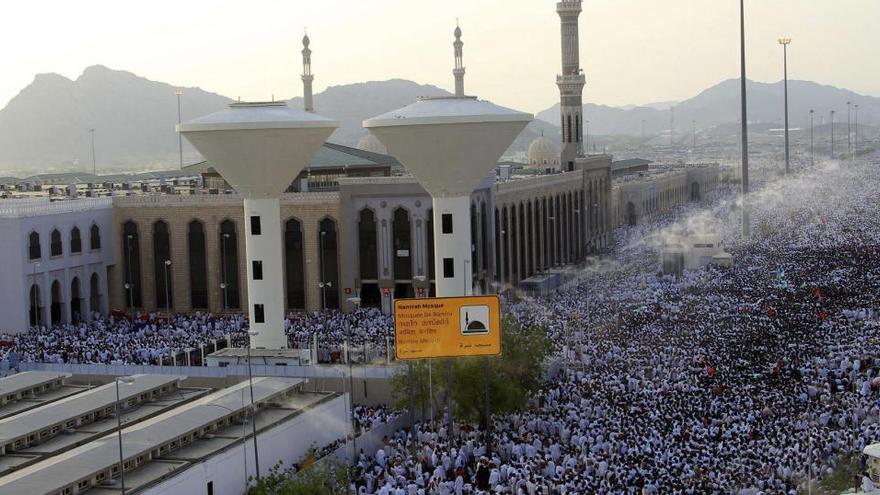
x=18, y=382
x=75, y=406
x=82, y=462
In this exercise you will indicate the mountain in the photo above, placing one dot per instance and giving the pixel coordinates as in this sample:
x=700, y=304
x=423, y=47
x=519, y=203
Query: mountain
x=46, y=126
x=720, y=104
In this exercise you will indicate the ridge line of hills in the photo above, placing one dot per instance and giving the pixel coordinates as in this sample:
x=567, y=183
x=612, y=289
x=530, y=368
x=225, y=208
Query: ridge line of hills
x=45, y=128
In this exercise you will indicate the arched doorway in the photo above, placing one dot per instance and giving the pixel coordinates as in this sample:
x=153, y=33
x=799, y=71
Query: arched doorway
x=329, y=265
x=401, y=239
x=229, y=264
x=695, y=191
x=36, y=314
x=75, y=300
x=94, y=294
x=294, y=268
x=631, y=218
x=57, y=305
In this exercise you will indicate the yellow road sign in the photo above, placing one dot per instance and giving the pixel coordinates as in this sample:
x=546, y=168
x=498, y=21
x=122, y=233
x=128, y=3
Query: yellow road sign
x=438, y=327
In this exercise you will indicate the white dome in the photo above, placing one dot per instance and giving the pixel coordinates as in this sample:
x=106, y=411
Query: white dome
x=372, y=144
x=543, y=153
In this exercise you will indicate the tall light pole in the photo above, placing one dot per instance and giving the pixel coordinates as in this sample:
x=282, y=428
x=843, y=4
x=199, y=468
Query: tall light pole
x=128, y=381
x=856, y=144
x=694, y=124
x=644, y=135
x=356, y=302
x=832, y=134
x=94, y=166
x=785, y=42
x=812, y=112
x=167, y=299
x=243, y=435
x=323, y=284
x=848, y=129
x=587, y=136
x=130, y=284
x=671, y=127
x=224, y=285
x=179, y=93
x=253, y=407
x=744, y=118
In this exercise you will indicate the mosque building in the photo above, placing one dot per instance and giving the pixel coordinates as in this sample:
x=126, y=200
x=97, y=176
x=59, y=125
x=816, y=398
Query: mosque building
x=354, y=224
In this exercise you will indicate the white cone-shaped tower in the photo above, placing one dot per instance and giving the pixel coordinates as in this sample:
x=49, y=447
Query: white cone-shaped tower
x=260, y=148
x=450, y=144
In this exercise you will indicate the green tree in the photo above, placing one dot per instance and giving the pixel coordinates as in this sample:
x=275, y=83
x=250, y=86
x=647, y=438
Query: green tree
x=513, y=376
x=326, y=477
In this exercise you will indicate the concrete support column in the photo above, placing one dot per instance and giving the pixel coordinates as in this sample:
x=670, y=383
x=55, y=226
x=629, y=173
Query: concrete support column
x=453, y=246
x=263, y=249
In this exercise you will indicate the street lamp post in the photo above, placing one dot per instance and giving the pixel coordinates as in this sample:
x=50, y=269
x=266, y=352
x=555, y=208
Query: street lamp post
x=812, y=112
x=224, y=285
x=243, y=435
x=694, y=124
x=832, y=134
x=323, y=284
x=167, y=299
x=785, y=42
x=644, y=135
x=856, y=143
x=128, y=381
x=849, y=129
x=130, y=285
x=356, y=301
x=253, y=407
x=179, y=93
x=744, y=120
x=94, y=163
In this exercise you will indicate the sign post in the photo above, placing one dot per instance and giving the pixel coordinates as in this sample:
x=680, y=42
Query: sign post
x=445, y=327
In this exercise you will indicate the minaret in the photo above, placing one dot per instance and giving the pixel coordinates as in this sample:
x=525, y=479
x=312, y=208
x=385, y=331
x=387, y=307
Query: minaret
x=307, y=77
x=571, y=85
x=458, y=71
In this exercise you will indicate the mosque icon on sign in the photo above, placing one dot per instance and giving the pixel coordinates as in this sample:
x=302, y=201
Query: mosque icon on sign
x=474, y=320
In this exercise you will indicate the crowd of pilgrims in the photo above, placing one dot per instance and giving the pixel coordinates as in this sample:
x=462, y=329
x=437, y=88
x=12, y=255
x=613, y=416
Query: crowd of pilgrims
x=154, y=338
x=745, y=380
x=750, y=380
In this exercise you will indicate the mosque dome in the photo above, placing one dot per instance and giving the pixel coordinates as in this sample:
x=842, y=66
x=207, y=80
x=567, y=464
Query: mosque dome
x=372, y=144
x=543, y=153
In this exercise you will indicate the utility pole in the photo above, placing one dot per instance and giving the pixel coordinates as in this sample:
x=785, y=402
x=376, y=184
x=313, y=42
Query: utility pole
x=179, y=93
x=832, y=134
x=849, y=129
x=811, y=137
x=856, y=144
x=785, y=42
x=745, y=121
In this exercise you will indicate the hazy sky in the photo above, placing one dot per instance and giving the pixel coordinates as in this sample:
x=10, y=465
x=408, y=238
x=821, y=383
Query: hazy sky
x=632, y=51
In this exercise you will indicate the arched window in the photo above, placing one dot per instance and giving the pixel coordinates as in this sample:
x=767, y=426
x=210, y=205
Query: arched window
x=329, y=266
x=198, y=278
x=95, y=237
x=229, y=264
x=401, y=242
x=293, y=259
x=75, y=241
x=367, y=250
x=55, y=246
x=162, y=264
x=34, y=251
x=132, y=261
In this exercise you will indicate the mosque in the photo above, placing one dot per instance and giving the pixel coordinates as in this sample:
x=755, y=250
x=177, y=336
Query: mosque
x=354, y=224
